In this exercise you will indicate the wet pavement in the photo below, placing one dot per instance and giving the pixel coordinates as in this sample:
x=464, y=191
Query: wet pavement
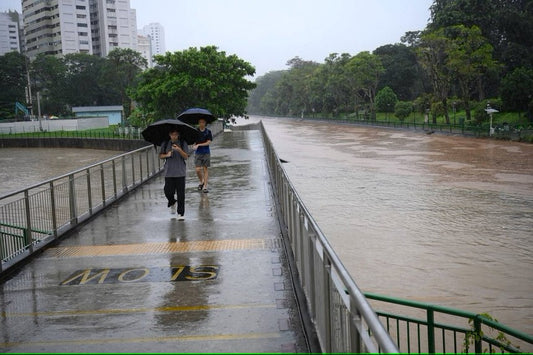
x=136, y=280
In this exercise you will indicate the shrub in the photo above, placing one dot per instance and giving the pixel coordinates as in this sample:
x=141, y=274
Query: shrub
x=402, y=109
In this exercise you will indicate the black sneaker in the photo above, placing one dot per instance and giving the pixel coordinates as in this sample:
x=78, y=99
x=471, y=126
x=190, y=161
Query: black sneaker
x=200, y=187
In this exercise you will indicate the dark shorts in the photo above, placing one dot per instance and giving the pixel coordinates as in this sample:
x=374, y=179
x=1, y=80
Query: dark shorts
x=202, y=160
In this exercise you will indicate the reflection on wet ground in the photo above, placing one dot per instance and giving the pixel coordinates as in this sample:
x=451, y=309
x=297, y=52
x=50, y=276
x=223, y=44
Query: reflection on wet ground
x=435, y=218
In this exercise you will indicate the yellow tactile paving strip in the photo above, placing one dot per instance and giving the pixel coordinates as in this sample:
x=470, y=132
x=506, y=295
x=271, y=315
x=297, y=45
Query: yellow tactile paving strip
x=158, y=248
x=190, y=308
x=180, y=338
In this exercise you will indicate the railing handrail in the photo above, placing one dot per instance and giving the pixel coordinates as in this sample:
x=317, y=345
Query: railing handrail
x=366, y=310
x=379, y=332
x=74, y=172
x=451, y=311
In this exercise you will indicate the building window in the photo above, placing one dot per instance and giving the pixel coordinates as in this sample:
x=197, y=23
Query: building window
x=80, y=7
x=81, y=16
x=82, y=25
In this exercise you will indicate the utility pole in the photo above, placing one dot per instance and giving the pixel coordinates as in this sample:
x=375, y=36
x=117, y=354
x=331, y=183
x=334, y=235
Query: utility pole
x=29, y=99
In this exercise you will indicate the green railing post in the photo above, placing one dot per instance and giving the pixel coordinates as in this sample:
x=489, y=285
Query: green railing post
x=89, y=191
x=27, y=231
x=431, y=331
x=102, y=183
x=477, y=335
x=72, y=200
x=53, y=208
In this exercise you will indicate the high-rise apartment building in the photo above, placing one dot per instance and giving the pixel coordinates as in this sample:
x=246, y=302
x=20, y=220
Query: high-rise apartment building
x=61, y=27
x=144, y=46
x=114, y=25
x=56, y=27
x=157, y=35
x=9, y=32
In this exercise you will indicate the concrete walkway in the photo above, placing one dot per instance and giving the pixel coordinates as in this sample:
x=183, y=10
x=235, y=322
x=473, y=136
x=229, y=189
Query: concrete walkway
x=135, y=280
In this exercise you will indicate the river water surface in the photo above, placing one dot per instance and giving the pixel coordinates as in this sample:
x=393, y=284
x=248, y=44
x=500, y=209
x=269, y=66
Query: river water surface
x=23, y=167
x=434, y=218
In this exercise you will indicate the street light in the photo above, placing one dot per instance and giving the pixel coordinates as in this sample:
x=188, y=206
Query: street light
x=454, y=103
x=490, y=111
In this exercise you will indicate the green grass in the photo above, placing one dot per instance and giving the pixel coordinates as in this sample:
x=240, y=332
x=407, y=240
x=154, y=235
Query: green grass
x=109, y=132
x=512, y=118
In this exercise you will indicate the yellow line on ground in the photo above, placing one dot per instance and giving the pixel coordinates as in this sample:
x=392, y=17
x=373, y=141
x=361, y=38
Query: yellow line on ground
x=157, y=248
x=213, y=337
x=137, y=310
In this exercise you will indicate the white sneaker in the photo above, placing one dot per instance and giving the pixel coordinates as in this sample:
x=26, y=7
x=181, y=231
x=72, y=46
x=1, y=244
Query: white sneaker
x=181, y=217
x=173, y=209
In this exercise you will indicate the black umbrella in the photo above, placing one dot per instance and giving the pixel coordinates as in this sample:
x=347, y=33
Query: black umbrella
x=192, y=115
x=157, y=132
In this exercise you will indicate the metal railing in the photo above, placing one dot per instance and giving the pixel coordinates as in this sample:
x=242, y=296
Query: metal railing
x=468, y=128
x=343, y=318
x=429, y=328
x=33, y=217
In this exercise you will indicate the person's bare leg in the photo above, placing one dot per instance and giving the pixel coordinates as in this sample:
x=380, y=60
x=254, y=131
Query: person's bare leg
x=200, y=176
x=206, y=175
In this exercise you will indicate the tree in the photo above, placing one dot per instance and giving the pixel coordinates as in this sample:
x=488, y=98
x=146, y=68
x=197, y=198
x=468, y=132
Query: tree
x=83, y=84
x=433, y=55
x=194, y=77
x=49, y=79
x=517, y=89
x=330, y=85
x=386, y=100
x=469, y=59
x=264, y=84
x=508, y=25
x=122, y=67
x=402, y=110
x=12, y=82
x=366, y=69
x=402, y=71
x=293, y=90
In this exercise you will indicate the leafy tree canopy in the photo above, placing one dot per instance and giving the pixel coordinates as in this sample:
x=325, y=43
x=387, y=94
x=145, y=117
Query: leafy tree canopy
x=517, y=89
x=203, y=77
x=508, y=25
x=12, y=82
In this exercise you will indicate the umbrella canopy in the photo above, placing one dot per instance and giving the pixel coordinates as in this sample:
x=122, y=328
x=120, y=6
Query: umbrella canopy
x=192, y=115
x=157, y=132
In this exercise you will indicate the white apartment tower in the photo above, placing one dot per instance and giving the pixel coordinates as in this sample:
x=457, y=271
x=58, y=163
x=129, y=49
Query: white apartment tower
x=9, y=33
x=60, y=27
x=157, y=35
x=114, y=25
x=56, y=27
x=144, y=46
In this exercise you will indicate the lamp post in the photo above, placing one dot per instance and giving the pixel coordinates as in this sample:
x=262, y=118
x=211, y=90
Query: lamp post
x=454, y=103
x=490, y=111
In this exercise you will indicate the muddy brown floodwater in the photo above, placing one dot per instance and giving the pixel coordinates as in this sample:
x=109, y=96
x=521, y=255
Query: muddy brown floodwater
x=23, y=167
x=433, y=218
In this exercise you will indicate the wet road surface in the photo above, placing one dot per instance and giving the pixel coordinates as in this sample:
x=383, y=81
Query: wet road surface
x=136, y=280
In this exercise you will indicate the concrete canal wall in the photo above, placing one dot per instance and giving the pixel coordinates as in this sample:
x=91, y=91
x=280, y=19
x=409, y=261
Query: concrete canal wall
x=77, y=124
x=122, y=145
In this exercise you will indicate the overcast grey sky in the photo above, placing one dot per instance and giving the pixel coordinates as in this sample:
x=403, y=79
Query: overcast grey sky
x=267, y=33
